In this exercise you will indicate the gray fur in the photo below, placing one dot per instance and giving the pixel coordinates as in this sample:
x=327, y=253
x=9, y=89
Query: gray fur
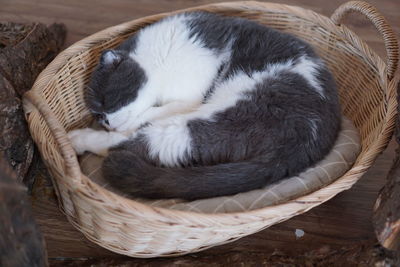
x=113, y=86
x=261, y=140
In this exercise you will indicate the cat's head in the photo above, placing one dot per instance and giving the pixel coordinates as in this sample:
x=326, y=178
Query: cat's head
x=114, y=84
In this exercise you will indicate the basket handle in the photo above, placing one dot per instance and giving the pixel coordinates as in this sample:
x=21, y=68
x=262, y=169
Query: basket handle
x=380, y=23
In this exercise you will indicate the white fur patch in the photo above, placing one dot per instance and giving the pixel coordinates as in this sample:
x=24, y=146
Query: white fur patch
x=97, y=142
x=180, y=69
x=169, y=141
x=158, y=113
x=308, y=69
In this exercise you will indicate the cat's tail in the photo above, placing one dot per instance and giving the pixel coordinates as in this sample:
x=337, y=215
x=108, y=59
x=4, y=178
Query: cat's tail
x=132, y=175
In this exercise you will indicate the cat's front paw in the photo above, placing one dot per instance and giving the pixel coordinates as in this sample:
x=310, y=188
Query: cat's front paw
x=79, y=139
x=97, y=142
x=128, y=128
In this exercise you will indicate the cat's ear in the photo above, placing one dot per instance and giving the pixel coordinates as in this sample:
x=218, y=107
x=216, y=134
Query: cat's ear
x=110, y=57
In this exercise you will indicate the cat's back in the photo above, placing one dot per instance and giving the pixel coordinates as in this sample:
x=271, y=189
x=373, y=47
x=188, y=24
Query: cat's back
x=164, y=39
x=177, y=63
x=199, y=34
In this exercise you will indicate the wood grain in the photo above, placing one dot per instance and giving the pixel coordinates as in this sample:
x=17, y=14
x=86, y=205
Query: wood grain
x=363, y=254
x=342, y=221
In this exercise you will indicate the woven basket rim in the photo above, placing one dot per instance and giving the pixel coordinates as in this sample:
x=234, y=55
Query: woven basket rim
x=304, y=203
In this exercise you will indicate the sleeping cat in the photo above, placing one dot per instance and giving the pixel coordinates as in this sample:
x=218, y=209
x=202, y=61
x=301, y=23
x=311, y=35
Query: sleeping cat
x=199, y=105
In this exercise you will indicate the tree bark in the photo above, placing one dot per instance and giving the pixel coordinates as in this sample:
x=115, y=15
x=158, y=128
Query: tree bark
x=21, y=243
x=25, y=50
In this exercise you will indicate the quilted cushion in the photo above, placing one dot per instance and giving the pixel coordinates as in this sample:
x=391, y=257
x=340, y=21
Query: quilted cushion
x=334, y=165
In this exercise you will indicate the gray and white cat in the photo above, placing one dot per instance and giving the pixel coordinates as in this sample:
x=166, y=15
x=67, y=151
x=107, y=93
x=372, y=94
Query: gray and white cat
x=199, y=105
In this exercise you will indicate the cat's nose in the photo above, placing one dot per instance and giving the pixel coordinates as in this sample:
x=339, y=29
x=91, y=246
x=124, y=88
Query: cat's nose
x=100, y=117
x=106, y=124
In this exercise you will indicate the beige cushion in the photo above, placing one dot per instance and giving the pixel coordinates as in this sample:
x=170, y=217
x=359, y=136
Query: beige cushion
x=334, y=165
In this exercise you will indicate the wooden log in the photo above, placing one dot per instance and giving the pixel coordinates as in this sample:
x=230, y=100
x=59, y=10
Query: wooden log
x=25, y=50
x=21, y=243
x=386, y=217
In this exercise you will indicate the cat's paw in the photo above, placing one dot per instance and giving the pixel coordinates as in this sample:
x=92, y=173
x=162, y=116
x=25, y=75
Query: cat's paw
x=128, y=127
x=79, y=139
x=94, y=141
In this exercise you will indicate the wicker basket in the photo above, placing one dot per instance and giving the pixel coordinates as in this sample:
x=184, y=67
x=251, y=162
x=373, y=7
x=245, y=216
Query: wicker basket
x=55, y=105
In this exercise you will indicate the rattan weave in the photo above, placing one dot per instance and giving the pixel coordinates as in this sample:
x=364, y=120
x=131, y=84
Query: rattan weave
x=55, y=105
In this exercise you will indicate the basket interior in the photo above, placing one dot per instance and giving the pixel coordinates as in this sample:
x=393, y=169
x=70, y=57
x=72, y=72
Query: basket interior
x=360, y=84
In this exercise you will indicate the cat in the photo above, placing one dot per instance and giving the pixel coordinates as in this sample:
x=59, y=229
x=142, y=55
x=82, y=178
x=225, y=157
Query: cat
x=199, y=105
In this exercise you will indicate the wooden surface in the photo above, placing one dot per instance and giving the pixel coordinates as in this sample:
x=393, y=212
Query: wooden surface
x=343, y=221
x=386, y=217
x=386, y=214
x=364, y=254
